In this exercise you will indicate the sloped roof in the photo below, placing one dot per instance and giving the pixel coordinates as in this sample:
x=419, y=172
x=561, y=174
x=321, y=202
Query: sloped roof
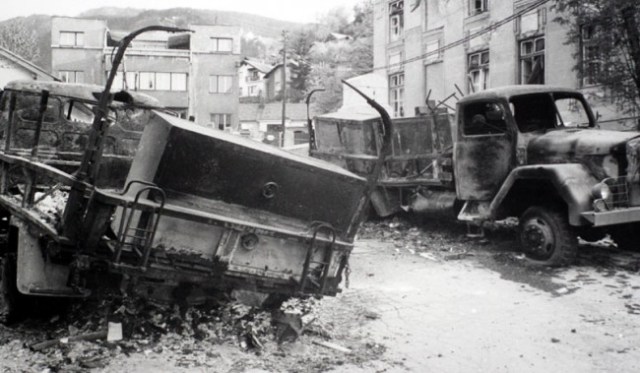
x=258, y=65
x=27, y=65
x=272, y=111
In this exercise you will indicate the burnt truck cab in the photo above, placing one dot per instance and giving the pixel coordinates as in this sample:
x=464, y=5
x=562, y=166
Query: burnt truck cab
x=536, y=153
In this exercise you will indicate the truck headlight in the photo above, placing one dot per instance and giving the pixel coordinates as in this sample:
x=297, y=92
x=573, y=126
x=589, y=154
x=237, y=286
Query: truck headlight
x=602, y=197
x=601, y=191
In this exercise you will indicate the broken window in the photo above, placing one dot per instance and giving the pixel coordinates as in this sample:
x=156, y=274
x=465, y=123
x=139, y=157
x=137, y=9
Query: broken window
x=477, y=7
x=71, y=76
x=571, y=112
x=222, y=44
x=532, y=61
x=71, y=39
x=533, y=112
x=590, y=56
x=396, y=94
x=483, y=118
x=220, y=83
x=396, y=20
x=478, y=71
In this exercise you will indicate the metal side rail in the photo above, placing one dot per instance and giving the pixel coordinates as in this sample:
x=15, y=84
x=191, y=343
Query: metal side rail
x=324, y=264
x=138, y=239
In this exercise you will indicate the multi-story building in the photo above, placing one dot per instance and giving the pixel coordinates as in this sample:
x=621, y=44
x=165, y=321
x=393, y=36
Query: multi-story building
x=194, y=74
x=431, y=49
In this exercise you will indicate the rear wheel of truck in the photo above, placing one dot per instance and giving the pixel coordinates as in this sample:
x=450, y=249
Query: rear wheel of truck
x=12, y=303
x=546, y=237
x=626, y=236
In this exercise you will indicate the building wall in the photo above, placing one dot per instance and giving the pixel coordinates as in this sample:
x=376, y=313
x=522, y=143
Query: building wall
x=11, y=71
x=150, y=54
x=447, y=21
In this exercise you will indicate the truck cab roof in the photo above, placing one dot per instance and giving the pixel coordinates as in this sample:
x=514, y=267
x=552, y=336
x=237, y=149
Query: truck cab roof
x=515, y=90
x=88, y=93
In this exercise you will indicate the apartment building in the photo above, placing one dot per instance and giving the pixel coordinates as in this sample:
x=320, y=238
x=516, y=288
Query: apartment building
x=430, y=49
x=194, y=74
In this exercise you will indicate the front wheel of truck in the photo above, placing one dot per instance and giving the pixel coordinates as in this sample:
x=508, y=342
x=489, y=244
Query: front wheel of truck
x=546, y=237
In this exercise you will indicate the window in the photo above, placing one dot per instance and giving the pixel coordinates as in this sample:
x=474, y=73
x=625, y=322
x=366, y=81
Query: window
x=220, y=121
x=396, y=20
x=477, y=7
x=532, y=61
x=71, y=76
x=478, y=71
x=533, y=112
x=571, y=112
x=590, y=56
x=149, y=81
x=71, y=39
x=220, y=83
x=396, y=94
x=432, y=51
x=484, y=118
x=222, y=44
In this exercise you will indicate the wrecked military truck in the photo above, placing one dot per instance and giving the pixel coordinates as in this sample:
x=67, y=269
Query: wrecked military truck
x=531, y=152
x=99, y=187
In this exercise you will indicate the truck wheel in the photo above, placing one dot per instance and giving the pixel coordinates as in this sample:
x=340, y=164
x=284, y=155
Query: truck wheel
x=11, y=301
x=626, y=237
x=547, y=237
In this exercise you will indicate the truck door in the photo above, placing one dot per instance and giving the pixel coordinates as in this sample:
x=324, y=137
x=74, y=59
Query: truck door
x=484, y=152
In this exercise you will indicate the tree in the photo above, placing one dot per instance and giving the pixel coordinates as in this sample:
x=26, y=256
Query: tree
x=301, y=44
x=607, y=36
x=16, y=36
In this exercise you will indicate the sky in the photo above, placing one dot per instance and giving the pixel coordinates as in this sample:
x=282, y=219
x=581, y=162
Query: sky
x=287, y=10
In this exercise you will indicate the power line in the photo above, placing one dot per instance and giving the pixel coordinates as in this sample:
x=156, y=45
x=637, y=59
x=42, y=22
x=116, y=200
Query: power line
x=465, y=39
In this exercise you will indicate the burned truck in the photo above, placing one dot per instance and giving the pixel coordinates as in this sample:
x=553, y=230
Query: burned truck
x=531, y=152
x=197, y=209
x=102, y=188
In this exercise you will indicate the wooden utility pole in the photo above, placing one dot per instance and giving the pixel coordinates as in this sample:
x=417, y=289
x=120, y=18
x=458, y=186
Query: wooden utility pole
x=284, y=85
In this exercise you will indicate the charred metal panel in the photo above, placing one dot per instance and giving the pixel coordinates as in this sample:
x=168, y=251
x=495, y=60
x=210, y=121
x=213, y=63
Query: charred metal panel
x=563, y=146
x=573, y=183
x=217, y=166
x=481, y=165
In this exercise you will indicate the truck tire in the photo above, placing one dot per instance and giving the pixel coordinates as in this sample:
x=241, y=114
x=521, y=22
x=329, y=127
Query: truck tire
x=12, y=303
x=626, y=237
x=546, y=237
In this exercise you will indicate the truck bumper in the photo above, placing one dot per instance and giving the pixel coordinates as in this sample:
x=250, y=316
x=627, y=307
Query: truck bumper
x=613, y=217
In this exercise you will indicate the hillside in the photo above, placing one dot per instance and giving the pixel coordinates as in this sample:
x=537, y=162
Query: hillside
x=132, y=18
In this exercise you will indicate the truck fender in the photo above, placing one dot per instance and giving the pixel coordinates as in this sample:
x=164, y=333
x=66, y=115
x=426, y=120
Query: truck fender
x=35, y=274
x=572, y=182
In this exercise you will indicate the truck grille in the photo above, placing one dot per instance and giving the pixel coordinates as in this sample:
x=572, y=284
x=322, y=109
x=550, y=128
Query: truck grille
x=619, y=191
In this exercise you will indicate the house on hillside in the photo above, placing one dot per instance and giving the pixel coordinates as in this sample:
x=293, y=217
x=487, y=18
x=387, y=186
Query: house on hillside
x=274, y=83
x=424, y=49
x=263, y=122
x=251, y=78
x=14, y=67
x=193, y=74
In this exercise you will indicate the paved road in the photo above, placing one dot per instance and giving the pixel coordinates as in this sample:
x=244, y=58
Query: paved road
x=480, y=315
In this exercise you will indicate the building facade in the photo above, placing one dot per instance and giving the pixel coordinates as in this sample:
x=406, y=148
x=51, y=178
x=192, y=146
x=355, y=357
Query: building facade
x=194, y=74
x=429, y=50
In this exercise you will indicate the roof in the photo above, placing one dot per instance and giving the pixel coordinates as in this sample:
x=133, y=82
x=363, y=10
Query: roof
x=27, y=65
x=272, y=111
x=278, y=66
x=83, y=92
x=258, y=65
x=515, y=90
